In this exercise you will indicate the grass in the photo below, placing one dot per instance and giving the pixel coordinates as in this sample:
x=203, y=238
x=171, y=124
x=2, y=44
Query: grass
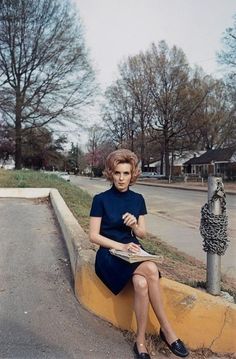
x=154, y=245
x=77, y=200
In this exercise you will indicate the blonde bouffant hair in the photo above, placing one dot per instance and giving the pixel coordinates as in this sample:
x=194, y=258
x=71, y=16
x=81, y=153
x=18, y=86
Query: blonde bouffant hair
x=121, y=156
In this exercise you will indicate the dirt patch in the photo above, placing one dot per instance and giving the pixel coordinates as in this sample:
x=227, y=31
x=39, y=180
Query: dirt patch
x=159, y=350
x=183, y=268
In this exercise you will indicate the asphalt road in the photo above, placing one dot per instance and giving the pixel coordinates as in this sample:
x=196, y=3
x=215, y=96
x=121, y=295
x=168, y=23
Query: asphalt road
x=40, y=317
x=174, y=216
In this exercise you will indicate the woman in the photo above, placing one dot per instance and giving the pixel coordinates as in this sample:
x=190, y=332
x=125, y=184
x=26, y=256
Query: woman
x=116, y=218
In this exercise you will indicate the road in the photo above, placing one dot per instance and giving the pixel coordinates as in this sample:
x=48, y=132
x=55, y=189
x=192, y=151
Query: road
x=40, y=317
x=174, y=216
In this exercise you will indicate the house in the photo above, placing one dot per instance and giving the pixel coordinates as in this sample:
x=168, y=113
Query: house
x=219, y=162
x=177, y=161
x=8, y=164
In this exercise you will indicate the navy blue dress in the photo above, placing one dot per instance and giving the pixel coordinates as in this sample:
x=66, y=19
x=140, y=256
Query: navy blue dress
x=110, y=206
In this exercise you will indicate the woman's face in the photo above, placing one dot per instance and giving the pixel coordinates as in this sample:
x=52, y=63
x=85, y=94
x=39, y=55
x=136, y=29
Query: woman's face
x=122, y=176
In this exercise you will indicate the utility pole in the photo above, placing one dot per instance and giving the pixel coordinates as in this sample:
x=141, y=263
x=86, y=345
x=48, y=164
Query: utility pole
x=213, y=229
x=213, y=259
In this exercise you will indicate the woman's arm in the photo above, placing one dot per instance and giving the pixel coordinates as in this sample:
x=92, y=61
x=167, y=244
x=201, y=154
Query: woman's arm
x=137, y=226
x=96, y=237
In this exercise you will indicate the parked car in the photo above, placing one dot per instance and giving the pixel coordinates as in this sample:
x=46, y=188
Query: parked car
x=64, y=175
x=9, y=167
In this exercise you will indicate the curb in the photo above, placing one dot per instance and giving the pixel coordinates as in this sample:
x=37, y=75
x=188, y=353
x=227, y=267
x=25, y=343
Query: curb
x=189, y=309
x=231, y=192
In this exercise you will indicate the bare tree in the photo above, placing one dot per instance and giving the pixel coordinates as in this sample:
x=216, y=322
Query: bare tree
x=119, y=115
x=214, y=116
x=176, y=97
x=45, y=75
x=135, y=81
x=227, y=57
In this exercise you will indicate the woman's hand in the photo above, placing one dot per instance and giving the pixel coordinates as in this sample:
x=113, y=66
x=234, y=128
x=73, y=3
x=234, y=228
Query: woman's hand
x=129, y=220
x=131, y=247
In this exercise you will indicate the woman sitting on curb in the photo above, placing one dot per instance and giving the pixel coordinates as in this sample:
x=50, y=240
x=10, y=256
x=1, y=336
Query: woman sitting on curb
x=116, y=218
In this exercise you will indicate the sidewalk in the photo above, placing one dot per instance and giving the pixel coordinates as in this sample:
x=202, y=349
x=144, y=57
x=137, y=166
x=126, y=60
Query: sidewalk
x=230, y=188
x=40, y=317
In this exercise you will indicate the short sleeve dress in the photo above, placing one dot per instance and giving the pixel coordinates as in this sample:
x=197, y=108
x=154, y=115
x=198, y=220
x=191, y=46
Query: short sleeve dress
x=110, y=206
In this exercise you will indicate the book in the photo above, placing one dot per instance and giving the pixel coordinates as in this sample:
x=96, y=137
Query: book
x=140, y=256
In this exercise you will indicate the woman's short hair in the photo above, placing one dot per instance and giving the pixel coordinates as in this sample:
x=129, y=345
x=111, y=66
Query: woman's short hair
x=121, y=156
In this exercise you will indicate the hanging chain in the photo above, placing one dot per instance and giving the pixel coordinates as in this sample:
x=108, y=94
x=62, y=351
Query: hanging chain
x=213, y=228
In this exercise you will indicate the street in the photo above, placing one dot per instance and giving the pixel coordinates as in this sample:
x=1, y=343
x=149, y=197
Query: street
x=174, y=216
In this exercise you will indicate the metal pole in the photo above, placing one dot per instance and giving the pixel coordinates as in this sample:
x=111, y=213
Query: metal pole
x=213, y=260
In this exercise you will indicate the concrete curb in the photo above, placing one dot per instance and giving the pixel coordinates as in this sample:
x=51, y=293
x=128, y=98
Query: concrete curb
x=75, y=238
x=202, y=320
x=24, y=192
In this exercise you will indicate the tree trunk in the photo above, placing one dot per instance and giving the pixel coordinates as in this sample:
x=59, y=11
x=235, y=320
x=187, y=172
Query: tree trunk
x=162, y=163
x=166, y=153
x=142, y=149
x=18, y=147
x=167, y=161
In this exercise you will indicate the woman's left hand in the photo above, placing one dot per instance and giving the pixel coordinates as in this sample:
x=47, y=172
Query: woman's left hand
x=130, y=220
x=131, y=247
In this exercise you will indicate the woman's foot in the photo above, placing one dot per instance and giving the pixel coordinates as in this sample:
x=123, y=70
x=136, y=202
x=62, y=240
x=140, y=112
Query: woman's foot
x=141, y=351
x=169, y=334
x=177, y=346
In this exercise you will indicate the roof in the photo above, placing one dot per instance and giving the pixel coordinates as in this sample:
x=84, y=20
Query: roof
x=217, y=155
x=179, y=158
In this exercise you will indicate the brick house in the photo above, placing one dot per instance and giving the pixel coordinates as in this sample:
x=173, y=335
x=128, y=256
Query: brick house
x=219, y=162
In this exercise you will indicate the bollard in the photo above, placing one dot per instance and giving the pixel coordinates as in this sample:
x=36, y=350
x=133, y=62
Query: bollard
x=213, y=260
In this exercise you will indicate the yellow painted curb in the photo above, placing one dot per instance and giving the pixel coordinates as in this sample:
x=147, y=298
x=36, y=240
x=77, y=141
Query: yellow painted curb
x=200, y=319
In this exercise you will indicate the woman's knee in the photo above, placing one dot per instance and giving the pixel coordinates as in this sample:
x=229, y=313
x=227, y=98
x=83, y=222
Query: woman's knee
x=140, y=283
x=149, y=269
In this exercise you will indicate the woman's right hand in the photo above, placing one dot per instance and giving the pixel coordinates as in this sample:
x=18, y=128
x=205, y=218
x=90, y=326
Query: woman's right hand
x=131, y=247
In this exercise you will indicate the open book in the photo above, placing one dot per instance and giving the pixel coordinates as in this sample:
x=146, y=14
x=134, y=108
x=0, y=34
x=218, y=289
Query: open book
x=136, y=257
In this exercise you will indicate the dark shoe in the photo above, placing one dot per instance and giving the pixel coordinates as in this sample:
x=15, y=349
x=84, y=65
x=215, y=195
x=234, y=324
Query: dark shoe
x=140, y=355
x=177, y=347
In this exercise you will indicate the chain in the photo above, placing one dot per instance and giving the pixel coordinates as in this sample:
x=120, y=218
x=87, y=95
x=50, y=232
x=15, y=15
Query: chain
x=213, y=228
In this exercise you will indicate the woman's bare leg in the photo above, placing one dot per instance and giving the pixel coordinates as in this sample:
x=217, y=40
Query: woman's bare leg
x=141, y=302
x=150, y=271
